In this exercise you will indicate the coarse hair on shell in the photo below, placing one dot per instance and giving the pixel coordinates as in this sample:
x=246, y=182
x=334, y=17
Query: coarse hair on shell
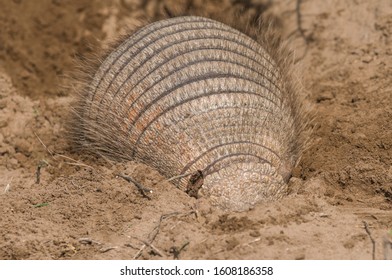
x=241, y=125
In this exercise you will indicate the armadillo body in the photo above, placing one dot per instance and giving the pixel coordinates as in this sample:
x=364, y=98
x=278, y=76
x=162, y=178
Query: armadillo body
x=190, y=93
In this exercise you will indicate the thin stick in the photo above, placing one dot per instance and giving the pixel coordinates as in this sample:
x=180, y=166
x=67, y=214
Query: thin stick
x=41, y=164
x=178, y=177
x=153, y=234
x=75, y=162
x=156, y=230
x=141, y=188
x=8, y=186
x=155, y=249
x=106, y=249
x=79, y=164
x=300, y=29
x=46, y=148
x=176, y=252
x=89, y=241
x=53, y=154
x=139, y=252
x=131, y=246
x=371, y=238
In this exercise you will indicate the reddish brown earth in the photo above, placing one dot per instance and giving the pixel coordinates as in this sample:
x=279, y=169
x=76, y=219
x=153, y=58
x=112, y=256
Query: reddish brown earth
x=81, y=210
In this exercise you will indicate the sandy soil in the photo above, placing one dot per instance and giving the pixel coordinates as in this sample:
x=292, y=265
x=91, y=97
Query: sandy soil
x=79, y=209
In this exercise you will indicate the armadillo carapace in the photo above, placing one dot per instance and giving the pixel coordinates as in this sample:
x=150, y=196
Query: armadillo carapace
x=191, y=94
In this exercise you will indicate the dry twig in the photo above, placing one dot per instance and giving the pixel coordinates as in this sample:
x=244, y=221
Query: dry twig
x=54, y=155
x=155, y=249
x=300, y=29
x=43, y=144
x=41, y=164
x=139, y=252
x=153, y=234
x=371, y=238
x=178, y=177
x=176, y=252
x=88, y=241
x=139, y=186
x=106, y=249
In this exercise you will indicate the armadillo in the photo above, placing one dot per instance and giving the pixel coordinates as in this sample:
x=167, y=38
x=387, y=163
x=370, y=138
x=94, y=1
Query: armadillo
x=191, y=94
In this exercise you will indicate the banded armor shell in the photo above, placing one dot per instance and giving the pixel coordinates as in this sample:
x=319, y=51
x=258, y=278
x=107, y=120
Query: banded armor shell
x=190, y=93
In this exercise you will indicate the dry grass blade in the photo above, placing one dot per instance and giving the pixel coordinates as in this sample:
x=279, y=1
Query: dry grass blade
x=8, y=186
x=54, y=155
x=43, y=144
x=139, y=252
x=178, y=177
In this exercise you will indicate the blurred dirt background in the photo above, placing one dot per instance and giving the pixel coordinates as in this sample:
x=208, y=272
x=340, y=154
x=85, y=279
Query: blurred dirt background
x=55, y=204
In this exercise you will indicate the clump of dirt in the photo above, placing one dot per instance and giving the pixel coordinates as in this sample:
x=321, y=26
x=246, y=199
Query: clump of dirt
x=56, y=204
x=232, y=224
